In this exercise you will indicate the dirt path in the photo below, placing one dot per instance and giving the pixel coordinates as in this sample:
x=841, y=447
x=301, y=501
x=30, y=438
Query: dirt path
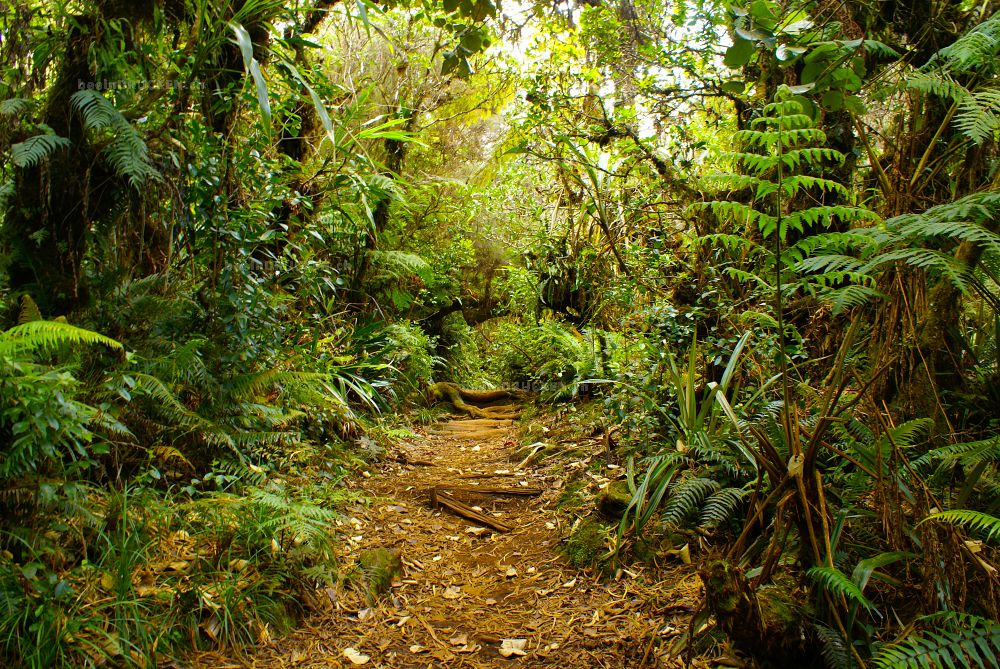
x=466, y=589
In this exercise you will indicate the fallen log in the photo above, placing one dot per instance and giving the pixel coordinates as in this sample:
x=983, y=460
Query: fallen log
x=442, y=500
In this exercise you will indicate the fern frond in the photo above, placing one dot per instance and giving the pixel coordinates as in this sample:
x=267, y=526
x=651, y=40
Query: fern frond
x=720, y=507
x=936, y=83
x=836, y=654
x=958, y=640
x=835, y=581
x=686, y=496
x=29, y=310
x=393, y=265
x=44, y=336
x=976, y=50
x=14, y=106
x=967, y=453
x=944, y=263
x=127, y=152
x=973, y=520
x=35, y=149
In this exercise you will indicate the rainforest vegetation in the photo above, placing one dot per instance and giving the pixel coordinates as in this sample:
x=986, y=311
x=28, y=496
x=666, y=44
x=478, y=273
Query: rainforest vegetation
x=754, y=246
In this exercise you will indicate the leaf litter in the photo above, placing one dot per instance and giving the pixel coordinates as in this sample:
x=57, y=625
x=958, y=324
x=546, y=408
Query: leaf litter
x=473, y=596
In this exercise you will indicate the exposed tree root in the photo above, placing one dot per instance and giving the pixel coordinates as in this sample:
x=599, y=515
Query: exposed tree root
x=473, y=402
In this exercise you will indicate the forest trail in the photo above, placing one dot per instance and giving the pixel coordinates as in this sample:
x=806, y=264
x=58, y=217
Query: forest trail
x=465, y=589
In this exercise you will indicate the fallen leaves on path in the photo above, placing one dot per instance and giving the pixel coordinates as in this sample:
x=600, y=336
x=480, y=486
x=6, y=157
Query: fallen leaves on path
x=472, y=597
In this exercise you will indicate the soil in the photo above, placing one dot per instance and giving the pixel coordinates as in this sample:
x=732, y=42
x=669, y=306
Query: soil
x=465, y=589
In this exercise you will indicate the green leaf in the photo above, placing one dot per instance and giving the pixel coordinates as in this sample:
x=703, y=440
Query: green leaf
x=35, y=149
x=449, y=63
x=472, y=40
x=739, y=54
x=833, y=100
x=753, y=34
x=787, y=52
x=252, y=67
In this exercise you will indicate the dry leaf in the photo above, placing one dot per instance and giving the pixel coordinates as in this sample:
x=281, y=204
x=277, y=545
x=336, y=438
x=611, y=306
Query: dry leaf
x=511, y=572
x=417, y=648
x=355, y=657
x=510, y=647
x=459, y=640
x=452, y=592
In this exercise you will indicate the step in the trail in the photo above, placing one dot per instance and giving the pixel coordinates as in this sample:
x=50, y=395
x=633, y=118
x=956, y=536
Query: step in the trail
x=477, y=425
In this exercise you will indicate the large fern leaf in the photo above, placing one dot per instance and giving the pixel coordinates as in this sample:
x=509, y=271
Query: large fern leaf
x=44, y=336
x=35, y=149
x=959, y=640
x=835, y=581
x=126, y=152
x=974, y=520
x=686, y=497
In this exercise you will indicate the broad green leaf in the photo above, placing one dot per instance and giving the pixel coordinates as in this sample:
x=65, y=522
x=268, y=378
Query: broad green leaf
x=739, y=54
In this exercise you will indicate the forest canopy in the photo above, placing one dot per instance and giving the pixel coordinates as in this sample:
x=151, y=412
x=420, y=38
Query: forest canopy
x=752, y=245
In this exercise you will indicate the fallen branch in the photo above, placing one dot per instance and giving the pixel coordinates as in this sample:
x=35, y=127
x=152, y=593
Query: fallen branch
x=442, y=500
x=523, y=492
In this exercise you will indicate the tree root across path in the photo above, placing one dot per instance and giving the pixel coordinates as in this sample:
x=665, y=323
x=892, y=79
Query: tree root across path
x=476, y=403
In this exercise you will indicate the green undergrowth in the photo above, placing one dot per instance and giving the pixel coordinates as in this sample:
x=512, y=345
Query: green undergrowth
x=156, y=504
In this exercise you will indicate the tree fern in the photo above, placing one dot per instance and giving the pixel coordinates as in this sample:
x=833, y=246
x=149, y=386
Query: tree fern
x=974, y=53
x=35, y=149
x=958, y=640
x=921, y=240
x=126, y=152
x=778, y=154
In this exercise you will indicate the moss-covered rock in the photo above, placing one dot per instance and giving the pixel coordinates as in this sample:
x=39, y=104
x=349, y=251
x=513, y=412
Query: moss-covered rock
x=587, y=544
x=614, y=499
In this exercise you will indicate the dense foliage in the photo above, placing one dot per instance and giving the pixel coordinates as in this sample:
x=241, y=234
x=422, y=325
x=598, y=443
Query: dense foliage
x=238, y=238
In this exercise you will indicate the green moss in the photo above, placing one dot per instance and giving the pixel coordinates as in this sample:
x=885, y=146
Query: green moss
x=614, y=499
x=587, y=544
x=569, y=499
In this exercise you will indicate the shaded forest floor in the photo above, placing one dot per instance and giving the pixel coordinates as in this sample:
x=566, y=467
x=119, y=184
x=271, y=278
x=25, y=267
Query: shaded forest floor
x=468, y=596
